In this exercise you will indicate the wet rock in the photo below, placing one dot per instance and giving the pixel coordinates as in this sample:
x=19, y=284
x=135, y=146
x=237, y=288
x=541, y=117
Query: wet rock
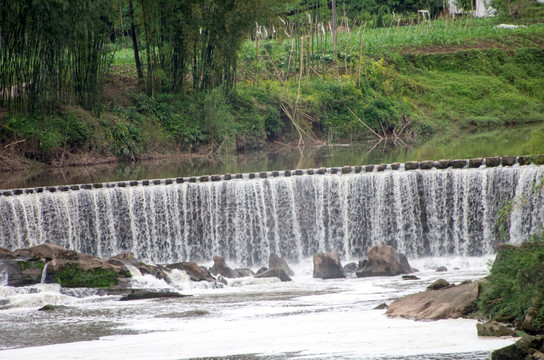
x=526, y=348
x=220, y=267
x=395, y=166
x=411, y=165
x=195, y=272
x=458, y=164
x=382, y=306
x=139, y=294
x=493, y=328
x=369, y=168
x=48, y=252
x=530, y=322
x=475, y=163
x=439, y=284
x=351, y=268
x=426, y=165
x=492, y=161
x=244, y=272
x=441, y=269
x=22, y=273
x=444, y=164
x=452, y=302
x=6, y=253
x=276, y=272
x=508, y=160
x=275, y=261
x=261, y=270
x=409, y=277
x=328, y=266
x=385, y=261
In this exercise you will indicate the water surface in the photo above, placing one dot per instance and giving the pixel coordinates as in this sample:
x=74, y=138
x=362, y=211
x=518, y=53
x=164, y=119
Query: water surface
x=444, y=145
x=249, y=319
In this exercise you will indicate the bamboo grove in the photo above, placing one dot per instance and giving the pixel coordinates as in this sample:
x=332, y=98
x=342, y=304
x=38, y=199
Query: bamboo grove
x=58, y=51
x=52, y=52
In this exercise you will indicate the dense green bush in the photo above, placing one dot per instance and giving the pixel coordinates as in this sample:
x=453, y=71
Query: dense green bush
x=516, y=284
x=46, y=135
x=71, y=275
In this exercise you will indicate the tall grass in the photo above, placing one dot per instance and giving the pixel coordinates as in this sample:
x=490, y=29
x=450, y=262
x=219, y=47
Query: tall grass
x=280, y=54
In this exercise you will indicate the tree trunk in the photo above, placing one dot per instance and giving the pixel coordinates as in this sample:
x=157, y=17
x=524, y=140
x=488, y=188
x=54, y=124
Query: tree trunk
x=334, y=27
x=135, y=43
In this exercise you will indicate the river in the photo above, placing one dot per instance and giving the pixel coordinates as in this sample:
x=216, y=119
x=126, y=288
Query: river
x=437, y=217
x=249, y=319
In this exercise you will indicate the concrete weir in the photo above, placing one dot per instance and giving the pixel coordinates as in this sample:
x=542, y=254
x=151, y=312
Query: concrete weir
x=410, y=165
x=427, y=208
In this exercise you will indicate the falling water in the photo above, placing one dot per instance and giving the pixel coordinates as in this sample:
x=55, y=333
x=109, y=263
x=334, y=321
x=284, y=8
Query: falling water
x=420, y=212
x=44, y=273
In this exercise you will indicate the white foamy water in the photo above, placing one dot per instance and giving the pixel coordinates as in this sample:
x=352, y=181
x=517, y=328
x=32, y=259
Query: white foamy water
x=251, y=318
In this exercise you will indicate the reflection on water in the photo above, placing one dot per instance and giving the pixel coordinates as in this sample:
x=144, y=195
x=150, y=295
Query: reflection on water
x=504, y=141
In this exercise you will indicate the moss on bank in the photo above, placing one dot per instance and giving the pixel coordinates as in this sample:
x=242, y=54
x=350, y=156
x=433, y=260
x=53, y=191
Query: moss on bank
x=71, y=275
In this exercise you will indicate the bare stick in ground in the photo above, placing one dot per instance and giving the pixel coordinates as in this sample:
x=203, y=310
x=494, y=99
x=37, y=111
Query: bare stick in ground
x=362, y=122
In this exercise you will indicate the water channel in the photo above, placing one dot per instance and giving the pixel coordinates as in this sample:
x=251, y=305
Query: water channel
x=437, y=217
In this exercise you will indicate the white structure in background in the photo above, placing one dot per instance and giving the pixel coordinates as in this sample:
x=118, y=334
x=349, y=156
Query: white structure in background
x=480, y=8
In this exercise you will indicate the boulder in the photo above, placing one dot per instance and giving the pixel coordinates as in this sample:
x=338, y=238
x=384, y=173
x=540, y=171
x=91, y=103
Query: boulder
x=22, y=273
x=493, y=328
x=244, y=272
x=328, y=266
x=439, y=284
x=220, y=267
x=6, y=254
x=385, y=261
x=261, y=270
x=47, y=252
x=351, y=268
x=275, y=261
x=441, y=269
x=452, y=302
x=525, y=348
x=195, y=272
x=409, y=277
x=531, y=322
x=124, y=259
x=275, y=272
x=382, y=306
x=142, y=294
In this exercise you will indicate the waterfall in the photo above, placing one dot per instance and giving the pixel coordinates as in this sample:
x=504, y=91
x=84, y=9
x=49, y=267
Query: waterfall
x=419, y=212
x=44, y=273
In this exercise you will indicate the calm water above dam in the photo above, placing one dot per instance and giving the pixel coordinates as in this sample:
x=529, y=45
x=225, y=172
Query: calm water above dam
x=501, y=142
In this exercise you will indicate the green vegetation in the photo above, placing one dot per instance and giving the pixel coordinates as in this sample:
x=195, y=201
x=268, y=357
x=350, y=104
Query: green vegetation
x=72, y=276
x=516, y=286
x=31, y=265
x=168, y=77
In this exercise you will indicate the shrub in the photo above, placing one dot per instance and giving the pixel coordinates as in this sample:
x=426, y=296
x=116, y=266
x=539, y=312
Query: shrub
x=516, y=284
x=71, y=275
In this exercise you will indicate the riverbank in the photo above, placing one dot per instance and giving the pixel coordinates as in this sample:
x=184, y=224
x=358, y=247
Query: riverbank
x=403, y=83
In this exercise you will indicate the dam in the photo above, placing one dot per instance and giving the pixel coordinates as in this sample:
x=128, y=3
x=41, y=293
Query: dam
x=433, y=208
